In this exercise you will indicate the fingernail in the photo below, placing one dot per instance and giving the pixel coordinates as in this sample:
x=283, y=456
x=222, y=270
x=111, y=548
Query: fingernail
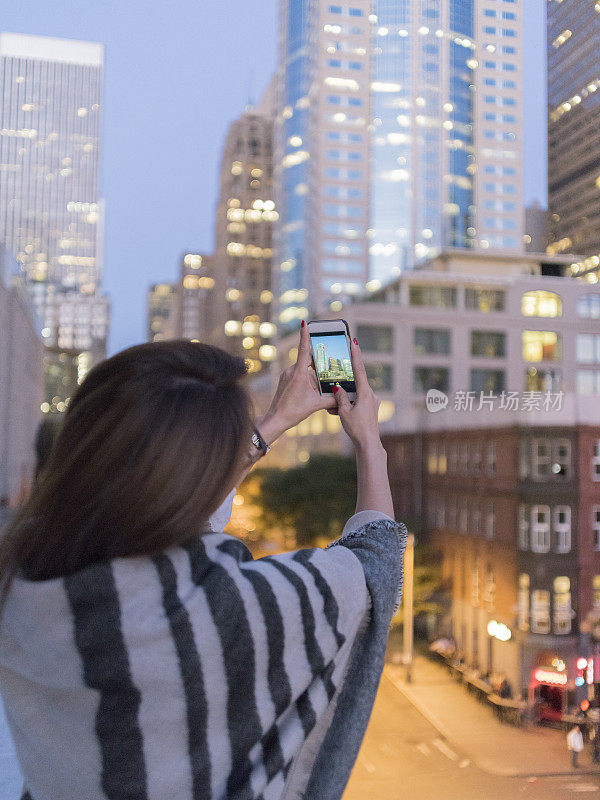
x=302, y=324
x=355, y=340
x=335, y=389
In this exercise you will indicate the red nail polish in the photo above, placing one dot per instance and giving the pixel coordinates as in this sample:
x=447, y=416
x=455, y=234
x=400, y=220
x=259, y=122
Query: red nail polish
x=355, y=340
x=302, y=324
x=335, y=389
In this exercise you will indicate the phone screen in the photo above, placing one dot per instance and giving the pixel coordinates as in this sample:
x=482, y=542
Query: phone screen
x=332, y=360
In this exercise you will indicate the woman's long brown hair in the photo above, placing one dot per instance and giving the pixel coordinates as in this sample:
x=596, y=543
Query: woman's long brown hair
x=147, y=451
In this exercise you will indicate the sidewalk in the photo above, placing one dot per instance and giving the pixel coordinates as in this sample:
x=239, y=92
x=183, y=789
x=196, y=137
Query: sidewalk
x=497, y=748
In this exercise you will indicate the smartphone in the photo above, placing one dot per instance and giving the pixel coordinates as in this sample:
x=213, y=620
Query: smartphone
x=330, y=340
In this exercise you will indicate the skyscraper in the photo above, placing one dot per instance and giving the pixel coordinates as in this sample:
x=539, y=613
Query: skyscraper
x=322, y=155
x=160, y=312
x=321, y=358
x=398, y=133
x=574, y=130
x=446, y=133
x=194, y=300
x=241, y=318
x=50, y=211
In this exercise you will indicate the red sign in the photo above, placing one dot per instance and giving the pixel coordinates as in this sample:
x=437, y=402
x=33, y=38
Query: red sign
x=549, y=678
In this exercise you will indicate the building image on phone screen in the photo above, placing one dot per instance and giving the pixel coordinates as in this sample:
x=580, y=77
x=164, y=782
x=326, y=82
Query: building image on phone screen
x=332, y=358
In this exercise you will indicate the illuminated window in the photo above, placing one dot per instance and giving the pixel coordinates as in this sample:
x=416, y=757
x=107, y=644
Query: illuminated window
x=596, y=586
x=542, y=346
x=540, y=611
x=562, y=605
x=541, y=304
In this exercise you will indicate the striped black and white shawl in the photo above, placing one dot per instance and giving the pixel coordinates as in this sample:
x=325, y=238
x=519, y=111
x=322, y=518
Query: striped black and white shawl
x=201, y=673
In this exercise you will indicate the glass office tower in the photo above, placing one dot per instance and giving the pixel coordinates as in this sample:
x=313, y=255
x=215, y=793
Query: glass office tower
x=399, y=133
x=574, y=131
x=322, y=156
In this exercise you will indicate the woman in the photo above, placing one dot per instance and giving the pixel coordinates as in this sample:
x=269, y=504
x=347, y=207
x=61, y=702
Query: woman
x=143, y=653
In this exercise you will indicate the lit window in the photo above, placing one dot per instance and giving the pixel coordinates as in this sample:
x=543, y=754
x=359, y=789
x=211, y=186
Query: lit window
x=542, y=346
x=541, y=304
x=540, y=611
x=596, y=579
x=562, y=610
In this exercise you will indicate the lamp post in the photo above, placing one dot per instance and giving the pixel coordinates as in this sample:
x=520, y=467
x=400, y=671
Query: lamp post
x=408, y=628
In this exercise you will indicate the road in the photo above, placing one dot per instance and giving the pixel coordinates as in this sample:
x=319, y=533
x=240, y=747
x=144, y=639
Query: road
x=405, y=758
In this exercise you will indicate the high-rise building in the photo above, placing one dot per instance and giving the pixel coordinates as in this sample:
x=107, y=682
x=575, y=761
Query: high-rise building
x=321, y=357
x=322, y=155
x=194, y=299
x=161, y=312
x=574, y=131
x=398, y=132
x=240, y=313
x=50, y=211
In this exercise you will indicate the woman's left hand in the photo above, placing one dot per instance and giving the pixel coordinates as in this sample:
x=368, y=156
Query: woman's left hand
x=297, y=395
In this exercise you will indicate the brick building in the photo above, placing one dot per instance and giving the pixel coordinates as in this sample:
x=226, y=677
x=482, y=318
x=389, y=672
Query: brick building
x=515, y=510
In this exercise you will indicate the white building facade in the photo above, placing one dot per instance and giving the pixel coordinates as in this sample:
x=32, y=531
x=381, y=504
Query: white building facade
x=50, y=208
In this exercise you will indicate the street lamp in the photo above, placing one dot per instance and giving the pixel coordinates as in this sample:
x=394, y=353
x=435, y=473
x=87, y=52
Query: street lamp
x=408, y=628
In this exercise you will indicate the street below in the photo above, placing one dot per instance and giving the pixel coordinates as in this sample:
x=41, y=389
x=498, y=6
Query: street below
x=417, y=748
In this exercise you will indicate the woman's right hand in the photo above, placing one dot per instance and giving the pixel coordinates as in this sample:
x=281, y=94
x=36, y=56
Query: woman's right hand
x=359, y=419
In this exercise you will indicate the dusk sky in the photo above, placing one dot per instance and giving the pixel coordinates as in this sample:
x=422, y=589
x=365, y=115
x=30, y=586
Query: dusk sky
x=176, y=75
